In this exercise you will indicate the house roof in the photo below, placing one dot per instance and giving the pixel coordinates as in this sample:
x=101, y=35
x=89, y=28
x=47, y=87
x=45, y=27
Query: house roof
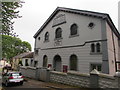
x=29, y=55
x=24, y=55
x=81, y=12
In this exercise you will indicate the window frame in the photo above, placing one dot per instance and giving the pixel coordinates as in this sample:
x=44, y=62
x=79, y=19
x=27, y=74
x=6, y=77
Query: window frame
x=46, y=37
x=35, y=63
x=57, y=35
x=73, y=30
x=93, y=25
x=96, y=65
x=92, y=48
x=98, y=47
x=70, y=61
x=45, y=61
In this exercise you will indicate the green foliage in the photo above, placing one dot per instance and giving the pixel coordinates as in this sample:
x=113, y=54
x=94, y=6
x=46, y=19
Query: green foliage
x=8, y=13
x=12, y=46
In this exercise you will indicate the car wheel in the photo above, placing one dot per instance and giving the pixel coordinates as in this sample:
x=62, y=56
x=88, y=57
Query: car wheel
x=6, y=84
x=2, y=83
x=21, y=83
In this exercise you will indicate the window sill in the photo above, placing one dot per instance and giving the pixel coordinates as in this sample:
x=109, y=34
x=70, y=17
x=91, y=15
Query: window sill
x=95, y=53
x=71, y=36
x=58, y=39
x=46, y=41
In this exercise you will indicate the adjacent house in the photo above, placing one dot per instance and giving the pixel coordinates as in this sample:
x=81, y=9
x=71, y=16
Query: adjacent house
x=24, y=59
x=27, y=60
x=78, y=40
x=4, y=63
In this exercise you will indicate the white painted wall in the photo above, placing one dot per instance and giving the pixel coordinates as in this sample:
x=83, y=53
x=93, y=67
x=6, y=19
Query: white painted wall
x=83, y=55
x=29, y=61
x=85, y=34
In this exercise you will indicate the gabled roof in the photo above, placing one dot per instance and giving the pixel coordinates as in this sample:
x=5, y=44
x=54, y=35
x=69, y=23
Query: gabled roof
x=24, y=55
x=29, y=55
x=81, y=12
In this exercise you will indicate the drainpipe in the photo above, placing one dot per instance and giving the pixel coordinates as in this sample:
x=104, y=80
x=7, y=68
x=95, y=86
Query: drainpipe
x=114, y=52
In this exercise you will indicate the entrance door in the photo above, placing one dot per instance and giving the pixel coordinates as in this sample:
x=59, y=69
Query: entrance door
x=57, y=63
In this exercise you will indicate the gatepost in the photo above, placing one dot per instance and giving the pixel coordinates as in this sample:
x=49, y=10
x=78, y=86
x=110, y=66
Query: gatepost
x=94, y=78
x=117, y=80
x=44, y=74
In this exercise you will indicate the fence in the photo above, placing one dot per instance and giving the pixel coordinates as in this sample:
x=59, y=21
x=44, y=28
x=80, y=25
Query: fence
x=92, y=80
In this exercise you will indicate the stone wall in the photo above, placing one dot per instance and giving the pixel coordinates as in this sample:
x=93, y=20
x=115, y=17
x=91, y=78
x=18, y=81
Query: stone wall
x=106, y=81
x=92, y=80
x=70, y=78
x=29, y=72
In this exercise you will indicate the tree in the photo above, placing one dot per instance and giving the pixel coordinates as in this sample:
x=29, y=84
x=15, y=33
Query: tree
x=12, y=46
x=9, y=12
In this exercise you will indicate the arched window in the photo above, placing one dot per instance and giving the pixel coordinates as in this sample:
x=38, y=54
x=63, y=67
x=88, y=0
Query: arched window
x=98, y=47
x=45, y=59
x=58, y=33
x=73, y=62
x=93, y=47
x=57, y=63
x=46, y=36
x=73, y=29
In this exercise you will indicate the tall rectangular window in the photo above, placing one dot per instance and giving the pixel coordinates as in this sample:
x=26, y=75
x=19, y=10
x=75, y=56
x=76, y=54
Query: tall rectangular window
x=98, y=67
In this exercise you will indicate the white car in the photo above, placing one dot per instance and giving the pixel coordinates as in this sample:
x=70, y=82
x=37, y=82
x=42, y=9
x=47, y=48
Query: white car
x=12, y=77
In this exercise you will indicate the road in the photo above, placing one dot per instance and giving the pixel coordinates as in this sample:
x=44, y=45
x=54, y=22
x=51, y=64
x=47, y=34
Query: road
x=34, y=84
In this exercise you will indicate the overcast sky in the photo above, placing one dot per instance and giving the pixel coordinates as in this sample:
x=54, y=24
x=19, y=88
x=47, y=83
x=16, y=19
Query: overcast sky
x=35, y=12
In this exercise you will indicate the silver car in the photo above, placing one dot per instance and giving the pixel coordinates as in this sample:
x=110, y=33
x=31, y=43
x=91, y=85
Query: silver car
x=12, y=77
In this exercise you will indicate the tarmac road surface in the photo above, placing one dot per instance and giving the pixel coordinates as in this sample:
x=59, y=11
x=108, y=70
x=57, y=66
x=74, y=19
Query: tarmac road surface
x=34, y=84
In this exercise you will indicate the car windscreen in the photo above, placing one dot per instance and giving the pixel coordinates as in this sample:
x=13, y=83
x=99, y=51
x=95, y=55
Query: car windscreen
x=16, y=74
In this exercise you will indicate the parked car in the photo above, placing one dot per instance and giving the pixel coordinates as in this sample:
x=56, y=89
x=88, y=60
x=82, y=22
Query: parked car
x=12, y=77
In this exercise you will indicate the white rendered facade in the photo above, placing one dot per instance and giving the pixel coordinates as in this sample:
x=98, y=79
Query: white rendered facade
x=79, y=44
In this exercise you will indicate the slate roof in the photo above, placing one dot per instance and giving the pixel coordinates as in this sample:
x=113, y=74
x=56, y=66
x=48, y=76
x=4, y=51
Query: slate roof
x=29, y=55
x=81, y=12
x=24, y=55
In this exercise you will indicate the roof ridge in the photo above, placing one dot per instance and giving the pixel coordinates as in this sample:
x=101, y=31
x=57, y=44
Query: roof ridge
x=82, y=12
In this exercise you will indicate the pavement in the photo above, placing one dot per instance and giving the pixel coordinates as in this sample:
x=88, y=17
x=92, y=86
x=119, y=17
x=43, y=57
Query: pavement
x=49, y=84
x=40, y=85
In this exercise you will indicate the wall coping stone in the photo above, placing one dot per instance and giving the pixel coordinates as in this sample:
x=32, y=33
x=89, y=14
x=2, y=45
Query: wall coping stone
x=23, y=67
x=27, y=67
x=94, y=72
x=117, y=74
x=60, y=73
x=106, y=76
x=78, y=73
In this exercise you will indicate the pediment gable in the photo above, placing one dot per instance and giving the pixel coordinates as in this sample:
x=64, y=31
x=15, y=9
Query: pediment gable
x=61, y=18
